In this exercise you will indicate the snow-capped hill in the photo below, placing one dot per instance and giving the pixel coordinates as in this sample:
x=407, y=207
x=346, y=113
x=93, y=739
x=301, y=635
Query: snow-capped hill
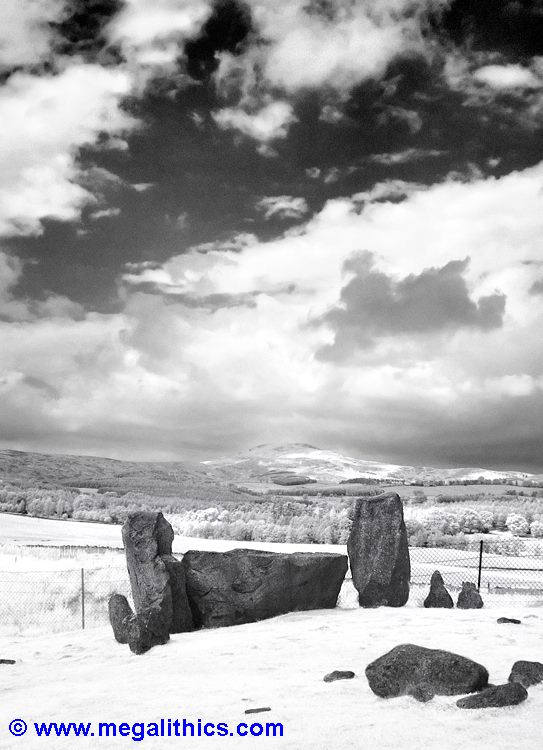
x=263, y=461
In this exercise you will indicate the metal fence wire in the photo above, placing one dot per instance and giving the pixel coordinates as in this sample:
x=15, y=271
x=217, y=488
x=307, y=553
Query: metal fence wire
x=62, y=600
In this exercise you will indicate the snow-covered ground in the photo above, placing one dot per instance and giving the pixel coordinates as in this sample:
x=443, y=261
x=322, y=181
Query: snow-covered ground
x=216, y=675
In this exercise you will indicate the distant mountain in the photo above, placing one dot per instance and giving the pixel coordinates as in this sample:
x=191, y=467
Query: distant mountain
x=262, y=462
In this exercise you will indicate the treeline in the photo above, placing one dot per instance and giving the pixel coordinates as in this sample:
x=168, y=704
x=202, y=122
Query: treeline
x=304, y=519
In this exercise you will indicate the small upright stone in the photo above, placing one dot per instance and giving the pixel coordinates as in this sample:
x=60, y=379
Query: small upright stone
x=120, y=613
x=438, y=597
x=527, y=673
x=469, y=597
x=497, y=696
x=378, y=551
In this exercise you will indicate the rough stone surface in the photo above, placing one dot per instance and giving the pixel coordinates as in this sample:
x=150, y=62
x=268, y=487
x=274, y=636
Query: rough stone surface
x=501, y=695
x=423, y=672
x=511, y=620
x=229, y=588
x=527, y=673
x=469, y=597
x=181, y=613
x=438, y=597
x=156, y=577
x=120, y=613
x=338, y=674
x=378, y=551
x=146, y=629
x=7, y=661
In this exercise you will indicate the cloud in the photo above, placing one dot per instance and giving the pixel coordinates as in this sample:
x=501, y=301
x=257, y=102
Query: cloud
x=26, y=34
x=373, y=305
x=282, y=206
x=267, y=124
x=504, y=77
x=151, y=35
x=46, y=119
x=105, y=213
x=388, y=190
x=405, y=156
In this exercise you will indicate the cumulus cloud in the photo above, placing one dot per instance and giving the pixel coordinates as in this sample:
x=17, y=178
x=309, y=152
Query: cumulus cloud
x=504, y=77
x=266, y=124
x=282, y=206
x=45, y=119
x=374, y=305
x=26, y=33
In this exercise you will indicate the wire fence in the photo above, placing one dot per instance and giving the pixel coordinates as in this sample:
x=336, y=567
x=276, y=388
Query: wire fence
x=62, y=600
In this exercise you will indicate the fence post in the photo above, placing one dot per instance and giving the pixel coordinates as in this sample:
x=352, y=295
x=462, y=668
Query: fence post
x=82, y=598
x=480, y=564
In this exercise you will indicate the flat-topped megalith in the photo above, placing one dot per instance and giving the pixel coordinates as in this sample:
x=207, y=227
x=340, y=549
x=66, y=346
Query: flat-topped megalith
x=246, y=585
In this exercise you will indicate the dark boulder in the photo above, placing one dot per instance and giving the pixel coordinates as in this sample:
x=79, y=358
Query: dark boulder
x=229, y=588
x=378, y=551
x=120, y=613
x=469, y=597
x=156, y=577
x=511, y=620
x=526, y=673
x=438, y=596
x=146, y=629
x=422, y=672
x=495, y=697
x=7, y=661
x=338, y=674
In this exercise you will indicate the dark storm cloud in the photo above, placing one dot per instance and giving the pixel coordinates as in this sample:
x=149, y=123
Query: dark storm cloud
x=81, y=31
x=514, y=29
x=373, y=305
x=225, y=31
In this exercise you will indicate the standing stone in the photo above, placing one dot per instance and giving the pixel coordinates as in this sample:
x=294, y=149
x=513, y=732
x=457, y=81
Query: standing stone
x=378, y=551
x=120, y=613
x=497, y=696
x=527, y=673
x=469, y=597
x=243, y=585
x=423, y=672
x=438, y=597
x=156, y=577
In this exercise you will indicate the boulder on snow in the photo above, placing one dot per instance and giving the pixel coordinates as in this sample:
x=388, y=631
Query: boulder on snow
x=512, y=620
x=469, y=597
x=338, y=674
x=7, y=661
x=423, y=672
x=156, y=577
x=495, y=697
x=244, y=585
x=438, y=596
x=146, y=629
x=378, y=551
x=120, y=613
x=526, y=673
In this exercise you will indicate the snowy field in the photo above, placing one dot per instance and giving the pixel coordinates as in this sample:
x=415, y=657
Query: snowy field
x=216, y=675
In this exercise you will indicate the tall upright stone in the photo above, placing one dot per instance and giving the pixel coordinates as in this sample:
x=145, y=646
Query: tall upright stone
x=378, y=551
x=156, y=577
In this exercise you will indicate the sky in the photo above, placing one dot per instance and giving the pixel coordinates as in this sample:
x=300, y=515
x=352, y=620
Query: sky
x=229, y=223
